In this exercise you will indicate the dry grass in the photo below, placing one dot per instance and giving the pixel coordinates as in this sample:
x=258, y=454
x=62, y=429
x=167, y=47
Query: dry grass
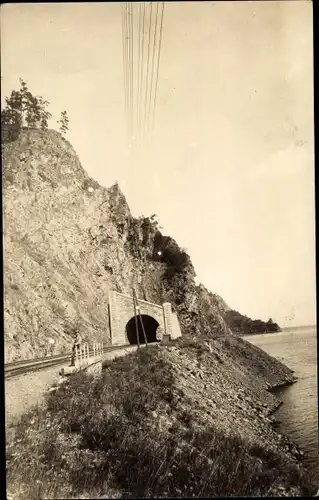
x=100, y=437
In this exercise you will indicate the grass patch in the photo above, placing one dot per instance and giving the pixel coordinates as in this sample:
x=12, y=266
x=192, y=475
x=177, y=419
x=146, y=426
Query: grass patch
x=104, y=436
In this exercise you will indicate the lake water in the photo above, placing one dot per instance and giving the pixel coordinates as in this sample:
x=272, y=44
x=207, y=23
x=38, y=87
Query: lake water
x=298, y=416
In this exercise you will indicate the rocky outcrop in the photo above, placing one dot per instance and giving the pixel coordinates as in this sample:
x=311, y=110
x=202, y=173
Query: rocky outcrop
x=68, y=241
x=243, y=325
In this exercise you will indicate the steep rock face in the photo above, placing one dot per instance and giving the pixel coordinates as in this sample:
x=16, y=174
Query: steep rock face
x=68, y=242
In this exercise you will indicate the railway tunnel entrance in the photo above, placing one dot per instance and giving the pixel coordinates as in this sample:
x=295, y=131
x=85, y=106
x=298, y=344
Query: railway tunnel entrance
x=150, y=327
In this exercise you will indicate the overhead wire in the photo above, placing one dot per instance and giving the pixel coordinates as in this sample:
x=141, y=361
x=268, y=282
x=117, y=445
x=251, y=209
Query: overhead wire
x=157, y=72
x=132, y=71
x=125, y=79
x=147, y=71
x=152, y=70
x=138, y=73
x=128, y=25
x=141, y=95
x=141, y=79
x=127, y=49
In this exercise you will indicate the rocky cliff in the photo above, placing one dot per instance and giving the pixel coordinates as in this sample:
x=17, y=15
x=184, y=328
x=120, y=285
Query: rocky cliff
x=68, y=241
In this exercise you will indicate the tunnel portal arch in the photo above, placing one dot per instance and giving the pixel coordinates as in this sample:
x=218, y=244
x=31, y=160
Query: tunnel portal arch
x=150, y=326
x=156, y=319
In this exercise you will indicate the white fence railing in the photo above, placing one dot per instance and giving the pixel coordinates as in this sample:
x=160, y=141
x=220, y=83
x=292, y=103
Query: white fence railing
x=85, y=352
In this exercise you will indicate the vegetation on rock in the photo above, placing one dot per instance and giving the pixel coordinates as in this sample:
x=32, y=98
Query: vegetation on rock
x=24, y=110
x=243, y=325
x=63, y=123
x=166, y=250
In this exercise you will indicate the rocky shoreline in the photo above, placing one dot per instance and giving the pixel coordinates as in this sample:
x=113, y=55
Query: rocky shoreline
x=293, y=448
x=258, y=405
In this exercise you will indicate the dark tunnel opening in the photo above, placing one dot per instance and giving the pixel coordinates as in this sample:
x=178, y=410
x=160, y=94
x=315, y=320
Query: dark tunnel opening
x=150, y=327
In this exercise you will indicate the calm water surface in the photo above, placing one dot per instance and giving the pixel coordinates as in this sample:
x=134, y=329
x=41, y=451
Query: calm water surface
x=298, y=416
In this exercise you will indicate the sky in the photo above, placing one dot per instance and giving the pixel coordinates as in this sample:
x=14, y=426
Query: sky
x=230, y=171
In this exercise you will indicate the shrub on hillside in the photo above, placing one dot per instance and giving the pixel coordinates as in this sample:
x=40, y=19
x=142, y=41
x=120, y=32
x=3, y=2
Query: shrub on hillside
x=167, y=251
x=149, y=225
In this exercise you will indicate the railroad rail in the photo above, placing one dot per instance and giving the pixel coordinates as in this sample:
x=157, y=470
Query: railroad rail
x=31, y=365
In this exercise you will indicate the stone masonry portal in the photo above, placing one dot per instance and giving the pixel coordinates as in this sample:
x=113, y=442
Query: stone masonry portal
x=157, y=320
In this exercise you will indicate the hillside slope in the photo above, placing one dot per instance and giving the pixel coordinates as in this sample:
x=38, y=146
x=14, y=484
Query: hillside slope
x=68, y=241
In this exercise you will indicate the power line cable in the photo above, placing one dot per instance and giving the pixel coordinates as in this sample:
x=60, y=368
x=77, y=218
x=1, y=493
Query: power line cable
x=141, y=77
x=128, y=24
x=127, y=49
x=158, y=62
x=138, y=72
x=140, y=94
x=147, y=70
x=124, y=35
x=132, y=74
x=152, y=70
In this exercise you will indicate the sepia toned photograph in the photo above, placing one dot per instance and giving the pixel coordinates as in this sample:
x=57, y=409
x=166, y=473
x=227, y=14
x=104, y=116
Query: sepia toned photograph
x=158, y=190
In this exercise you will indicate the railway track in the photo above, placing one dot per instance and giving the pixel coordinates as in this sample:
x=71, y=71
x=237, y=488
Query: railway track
x=31, y=365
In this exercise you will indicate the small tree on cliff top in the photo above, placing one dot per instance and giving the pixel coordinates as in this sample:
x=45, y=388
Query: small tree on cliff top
x=24, y=110
x=63, y=122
